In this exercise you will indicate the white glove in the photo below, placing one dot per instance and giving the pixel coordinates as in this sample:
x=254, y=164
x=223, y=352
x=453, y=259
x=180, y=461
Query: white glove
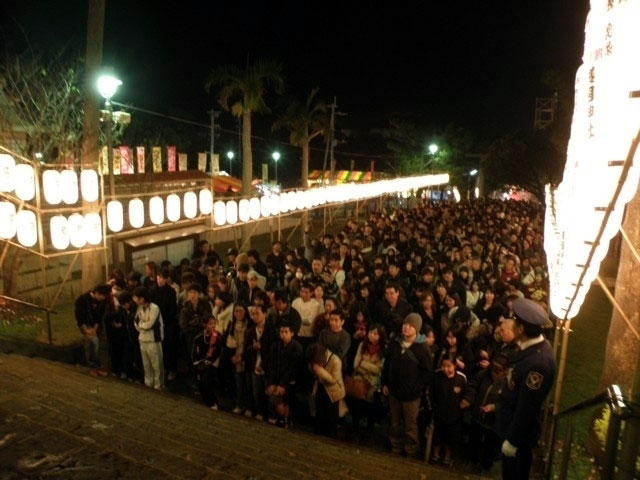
x=508, y=450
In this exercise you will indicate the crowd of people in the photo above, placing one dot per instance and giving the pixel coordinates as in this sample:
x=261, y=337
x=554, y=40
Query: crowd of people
x=415, y=315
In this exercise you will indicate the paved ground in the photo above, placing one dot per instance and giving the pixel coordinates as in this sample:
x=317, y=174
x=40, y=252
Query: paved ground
x=58, y=422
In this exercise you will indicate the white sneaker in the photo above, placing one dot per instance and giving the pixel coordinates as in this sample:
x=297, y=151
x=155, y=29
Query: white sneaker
x=237, y=410
x=214, y=407
x=272, y=421
x=259, y=417
x=248, y=414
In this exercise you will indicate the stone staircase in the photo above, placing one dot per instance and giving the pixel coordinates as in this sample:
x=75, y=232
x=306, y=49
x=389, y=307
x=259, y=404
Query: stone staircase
x=58, y=422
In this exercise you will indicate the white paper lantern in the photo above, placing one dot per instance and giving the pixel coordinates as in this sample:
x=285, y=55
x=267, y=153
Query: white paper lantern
x=265, y=206
x=75, y=227
x=274, y=204
x=89, y=185
x=190, y=205
x=93, y=228
x=173, y=208
x=232, y=212
x=51, y=186
x=27, y=228
x=156, y=210
x=254, y=208
x=115, y=216
x=205, y=201
x=220, y=212
x=59, y=232
x=244, y=210
x=69, y=186
x=7, y=220
x=25, y=182
x=283, y=202
x=7, y=167
x=136, y=213
x=291, y=201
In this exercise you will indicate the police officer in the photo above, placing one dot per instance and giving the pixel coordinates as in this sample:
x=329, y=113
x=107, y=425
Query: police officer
x=529, y=379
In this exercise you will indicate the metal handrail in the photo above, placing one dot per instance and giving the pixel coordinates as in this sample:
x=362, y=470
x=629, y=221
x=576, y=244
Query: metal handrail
x=47, y=310
x=620, y=410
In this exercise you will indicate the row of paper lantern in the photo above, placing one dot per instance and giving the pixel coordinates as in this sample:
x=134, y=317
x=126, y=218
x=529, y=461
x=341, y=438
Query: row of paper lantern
x=57, y=185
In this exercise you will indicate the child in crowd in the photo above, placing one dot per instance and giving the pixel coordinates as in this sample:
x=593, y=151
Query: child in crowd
x=446, y=398
x=207, y=348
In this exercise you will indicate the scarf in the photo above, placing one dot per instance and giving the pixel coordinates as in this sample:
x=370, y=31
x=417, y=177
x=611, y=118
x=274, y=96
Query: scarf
x=213, y=339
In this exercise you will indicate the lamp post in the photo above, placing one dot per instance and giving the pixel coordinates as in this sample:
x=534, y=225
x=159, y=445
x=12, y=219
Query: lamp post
x=472, y=173
x=107, y=86
x=276, y=157
x=230, y=157
x=433, y=149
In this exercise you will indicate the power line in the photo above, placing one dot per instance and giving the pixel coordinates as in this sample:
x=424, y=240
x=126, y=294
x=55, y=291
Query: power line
x=233, y=132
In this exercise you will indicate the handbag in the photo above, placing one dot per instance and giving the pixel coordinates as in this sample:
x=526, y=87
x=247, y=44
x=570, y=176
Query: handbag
x=356, y=387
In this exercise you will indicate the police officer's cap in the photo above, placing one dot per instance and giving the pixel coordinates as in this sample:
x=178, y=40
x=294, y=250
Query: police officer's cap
x=530, y=312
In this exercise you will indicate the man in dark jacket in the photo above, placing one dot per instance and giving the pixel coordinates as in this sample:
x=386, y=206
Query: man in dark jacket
x=391, y=310
x=194, y=316
x=257, y=345
x=164, y=295
x=282, y=312
x=89, y=311
x=407, y=370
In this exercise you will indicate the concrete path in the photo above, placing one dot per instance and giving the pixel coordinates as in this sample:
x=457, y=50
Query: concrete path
x=58, y=422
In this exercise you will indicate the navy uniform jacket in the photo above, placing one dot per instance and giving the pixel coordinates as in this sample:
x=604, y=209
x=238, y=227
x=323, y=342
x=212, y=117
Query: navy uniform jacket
x=518, y=417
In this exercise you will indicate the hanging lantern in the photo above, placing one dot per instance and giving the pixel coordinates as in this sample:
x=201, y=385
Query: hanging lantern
x=156, y=210
x=7, y=220
x=59, y=232
x=69, y=186
x=206, y=201
x=290, y=200
x=93, y=228
x=25, y=182
x=89, y=185
x=115, y=216
x=52, y=186
x=274, y=204
x=283, y=204
x=75, y=227
x=27, y=228
x=254, y=208
x=219, y=212
x=7, y=167
x=190, y=205
x=265, y=206
x=244, y=210
x=173, y=208
x=136, y=213
x=232, y=212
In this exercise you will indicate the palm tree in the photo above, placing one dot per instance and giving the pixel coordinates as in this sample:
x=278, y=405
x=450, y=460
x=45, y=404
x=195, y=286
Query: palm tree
x=305, y=121
x=242, y=93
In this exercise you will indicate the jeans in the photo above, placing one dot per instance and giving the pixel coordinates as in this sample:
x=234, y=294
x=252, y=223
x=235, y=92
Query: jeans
x=407, y=413
x=152, y=364
x=259, y=397
x=93, y=352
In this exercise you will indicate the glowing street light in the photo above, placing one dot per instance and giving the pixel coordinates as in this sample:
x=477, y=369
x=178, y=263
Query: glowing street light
x=433, y=149
x=276, y=157
x=107, y=86
x=230, y=157
x=473, y=172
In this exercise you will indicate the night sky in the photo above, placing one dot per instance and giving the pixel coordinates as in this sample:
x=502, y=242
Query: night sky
x=476, y=64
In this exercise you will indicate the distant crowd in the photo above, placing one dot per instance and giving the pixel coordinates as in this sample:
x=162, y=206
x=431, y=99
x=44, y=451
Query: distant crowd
x=406, y=316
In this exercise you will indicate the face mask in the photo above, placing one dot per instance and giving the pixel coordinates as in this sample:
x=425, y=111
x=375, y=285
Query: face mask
x=299, y=275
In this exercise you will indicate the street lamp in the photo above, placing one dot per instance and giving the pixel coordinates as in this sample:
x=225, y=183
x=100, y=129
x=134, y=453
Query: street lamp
x=230, y=157
x=433, y=148
x=473, y=172
x=276, y=157
x=107, y=86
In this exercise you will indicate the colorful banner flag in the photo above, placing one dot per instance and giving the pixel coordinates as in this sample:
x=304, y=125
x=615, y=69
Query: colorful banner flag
x=140, y=158
x=117, y=160
x=126, y=167
x=171, y=159
x=103, y=162
x=202, y=162
x=182, y=162
x=156, y=154
x=215, y=164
